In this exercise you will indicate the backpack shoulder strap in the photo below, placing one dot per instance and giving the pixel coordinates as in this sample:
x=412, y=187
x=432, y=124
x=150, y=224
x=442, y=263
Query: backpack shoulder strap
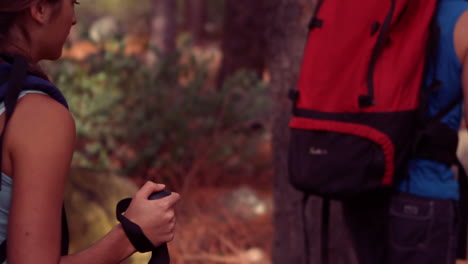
x=435, y=140
x=17, y=79
x=462, y=212
x=3, y=251
x=36, y=83
x=445, y=110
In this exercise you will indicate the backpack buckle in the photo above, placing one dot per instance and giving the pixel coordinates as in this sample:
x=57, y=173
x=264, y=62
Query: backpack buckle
x=293, y=94
x=315, y=22
x=366, y=101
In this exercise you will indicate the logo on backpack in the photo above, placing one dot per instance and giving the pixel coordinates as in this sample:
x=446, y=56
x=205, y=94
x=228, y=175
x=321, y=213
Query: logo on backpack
x=317, y=151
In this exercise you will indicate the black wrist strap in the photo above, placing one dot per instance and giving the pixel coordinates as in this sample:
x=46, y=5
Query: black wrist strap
x=160, y=255
x=132, y=230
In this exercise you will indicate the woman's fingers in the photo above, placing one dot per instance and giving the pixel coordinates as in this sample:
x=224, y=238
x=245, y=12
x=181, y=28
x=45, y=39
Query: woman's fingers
x=148, y=188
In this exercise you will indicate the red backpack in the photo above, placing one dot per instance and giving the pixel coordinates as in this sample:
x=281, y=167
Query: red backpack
x=358, y=94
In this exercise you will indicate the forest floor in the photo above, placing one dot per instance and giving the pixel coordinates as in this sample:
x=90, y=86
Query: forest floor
x=211, y=229
x=227, y=218
x=228, y=222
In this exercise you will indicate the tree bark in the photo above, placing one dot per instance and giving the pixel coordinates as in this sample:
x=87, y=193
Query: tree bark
x=164, y=25
x=243, y=42
x=286, y=37
x=195, y=18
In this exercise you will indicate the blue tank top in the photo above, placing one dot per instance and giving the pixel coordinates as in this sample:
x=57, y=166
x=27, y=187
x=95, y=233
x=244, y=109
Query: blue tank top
x=429, y=178
x=5, y=202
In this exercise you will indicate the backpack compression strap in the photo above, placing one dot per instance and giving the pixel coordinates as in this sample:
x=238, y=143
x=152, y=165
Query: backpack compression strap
x=16, y=80
x=435, y=140
x=462, y=211
x=315, y=21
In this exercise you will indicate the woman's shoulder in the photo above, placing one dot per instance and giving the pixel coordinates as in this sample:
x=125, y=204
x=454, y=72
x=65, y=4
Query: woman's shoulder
x=40, y=108
x=37, y=119
x=41, y=131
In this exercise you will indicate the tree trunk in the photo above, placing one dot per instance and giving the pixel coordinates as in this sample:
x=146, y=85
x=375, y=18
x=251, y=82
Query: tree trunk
x=243, y=43
x=164, y=25
x=195, y=18
x=286, y=37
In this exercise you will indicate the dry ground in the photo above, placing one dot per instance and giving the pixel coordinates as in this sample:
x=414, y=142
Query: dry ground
x=208, y=232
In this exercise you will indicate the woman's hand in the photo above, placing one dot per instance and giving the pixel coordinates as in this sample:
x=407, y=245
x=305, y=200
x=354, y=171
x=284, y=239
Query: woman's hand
x=155, y=217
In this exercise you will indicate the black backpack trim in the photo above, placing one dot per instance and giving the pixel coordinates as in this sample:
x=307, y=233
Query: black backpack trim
x=314, y=21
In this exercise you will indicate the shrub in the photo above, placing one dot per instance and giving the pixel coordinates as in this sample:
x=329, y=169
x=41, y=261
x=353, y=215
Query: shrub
x=162, y=118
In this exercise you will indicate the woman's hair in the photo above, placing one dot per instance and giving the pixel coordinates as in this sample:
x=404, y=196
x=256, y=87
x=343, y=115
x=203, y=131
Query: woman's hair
x=10, y=12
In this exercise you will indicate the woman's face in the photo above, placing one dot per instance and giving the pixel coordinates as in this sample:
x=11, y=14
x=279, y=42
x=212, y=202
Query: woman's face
x=57, y=29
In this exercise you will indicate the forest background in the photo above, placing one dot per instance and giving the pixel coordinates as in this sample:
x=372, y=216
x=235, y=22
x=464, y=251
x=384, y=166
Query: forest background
x=175, y=92
x=192, y=94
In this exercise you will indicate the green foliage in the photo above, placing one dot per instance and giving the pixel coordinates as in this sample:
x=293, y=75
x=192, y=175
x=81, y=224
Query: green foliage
x=134, y=18
x=142, y=119
x=126, y=12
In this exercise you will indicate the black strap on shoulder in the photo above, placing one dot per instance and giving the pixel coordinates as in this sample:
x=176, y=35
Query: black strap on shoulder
x=446, y=110
x=65, y=240
x=462, y=211
x=160, y=255
x=325, y=234
x=305, y=199
x=430, y=68
x=18, y=76
x=4, y=78
x=16, y=80
x=3, y=251
x=367, y=100
x=435, y=140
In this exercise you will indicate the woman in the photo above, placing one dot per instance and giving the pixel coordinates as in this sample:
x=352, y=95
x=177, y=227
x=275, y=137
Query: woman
x=38, y=147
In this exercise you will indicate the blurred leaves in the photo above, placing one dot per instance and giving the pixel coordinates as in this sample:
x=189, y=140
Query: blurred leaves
x=134, y=18
x=161, y=118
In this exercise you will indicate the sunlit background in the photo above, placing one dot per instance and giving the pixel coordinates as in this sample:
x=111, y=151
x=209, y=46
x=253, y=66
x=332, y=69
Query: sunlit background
x=160, y=92
x=192, y=94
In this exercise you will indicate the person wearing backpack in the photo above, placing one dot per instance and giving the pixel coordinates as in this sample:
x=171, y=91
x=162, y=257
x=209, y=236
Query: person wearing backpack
x=37, y=148
x=423, y=217
x=375, y=120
